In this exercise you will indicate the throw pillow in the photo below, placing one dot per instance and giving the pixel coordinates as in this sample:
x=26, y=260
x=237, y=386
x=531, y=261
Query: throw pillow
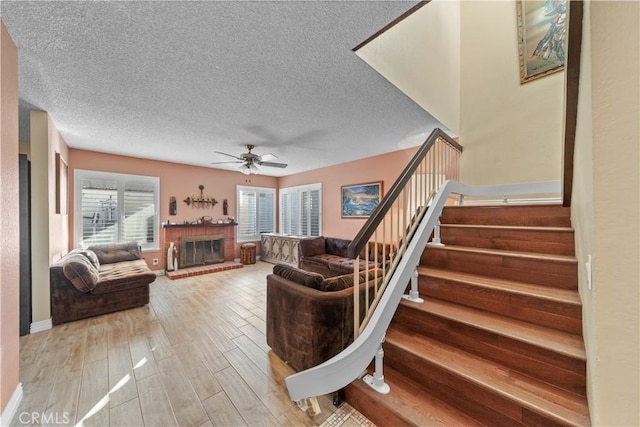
x=91, y=256
x=337, y=283
x=80, y=272
x=302, y=277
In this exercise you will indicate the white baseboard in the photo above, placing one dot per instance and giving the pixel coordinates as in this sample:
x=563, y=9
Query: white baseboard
x=11, y=408
x=40, y=326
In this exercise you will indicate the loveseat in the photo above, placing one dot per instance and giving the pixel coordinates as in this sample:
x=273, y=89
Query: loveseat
x=310, y=317
x=328, y=256
x=98, y=280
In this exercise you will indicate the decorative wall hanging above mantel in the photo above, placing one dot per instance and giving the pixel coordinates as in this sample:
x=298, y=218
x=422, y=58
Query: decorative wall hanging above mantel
x=200, y=201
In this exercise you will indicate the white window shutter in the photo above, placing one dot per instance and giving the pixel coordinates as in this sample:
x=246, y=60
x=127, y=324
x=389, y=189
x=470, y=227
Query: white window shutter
x=256, y=212
x=112, y=208
x=301, y=210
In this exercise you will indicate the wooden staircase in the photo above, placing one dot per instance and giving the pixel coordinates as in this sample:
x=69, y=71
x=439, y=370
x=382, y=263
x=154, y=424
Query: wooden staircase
x=498, y=340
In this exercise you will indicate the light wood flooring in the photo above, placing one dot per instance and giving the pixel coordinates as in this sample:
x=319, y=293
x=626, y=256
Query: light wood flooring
x=195, y=356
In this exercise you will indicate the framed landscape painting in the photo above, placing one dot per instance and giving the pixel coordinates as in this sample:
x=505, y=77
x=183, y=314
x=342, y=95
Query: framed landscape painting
x=542, y=30
x=359, y=201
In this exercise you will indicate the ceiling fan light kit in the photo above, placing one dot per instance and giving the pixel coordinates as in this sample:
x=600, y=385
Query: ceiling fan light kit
x=249, y=169
x=250, y=160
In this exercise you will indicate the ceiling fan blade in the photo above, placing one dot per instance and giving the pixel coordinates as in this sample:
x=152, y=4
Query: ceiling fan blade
x=220, y=163
x=230, y=155
x=267, y=157
x=273, y=165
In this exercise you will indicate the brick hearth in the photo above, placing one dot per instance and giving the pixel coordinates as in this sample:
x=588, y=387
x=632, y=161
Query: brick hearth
x=203, y=269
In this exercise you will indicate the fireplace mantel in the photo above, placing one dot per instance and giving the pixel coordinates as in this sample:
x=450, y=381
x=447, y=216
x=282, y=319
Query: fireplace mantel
x=188, y=225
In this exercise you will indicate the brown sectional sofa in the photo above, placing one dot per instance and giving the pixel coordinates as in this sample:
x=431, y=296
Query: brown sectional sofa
x=328, y=256
x=310, y=317
x=101, y=279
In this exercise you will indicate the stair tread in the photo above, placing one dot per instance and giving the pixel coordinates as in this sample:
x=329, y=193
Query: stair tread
x=535, y=395
x=501, y=252
x=539, y=336
x=529, y=289
x=509, y=227
x=417, y=406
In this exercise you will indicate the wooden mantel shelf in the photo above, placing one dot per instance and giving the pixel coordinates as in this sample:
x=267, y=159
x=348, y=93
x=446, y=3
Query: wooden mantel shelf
x=213, y=224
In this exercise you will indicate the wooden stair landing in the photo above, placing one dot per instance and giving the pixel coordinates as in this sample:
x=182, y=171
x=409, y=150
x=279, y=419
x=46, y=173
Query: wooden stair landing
x=498, y=340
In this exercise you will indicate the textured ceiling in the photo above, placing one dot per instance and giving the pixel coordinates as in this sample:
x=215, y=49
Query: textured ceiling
x=176, y=81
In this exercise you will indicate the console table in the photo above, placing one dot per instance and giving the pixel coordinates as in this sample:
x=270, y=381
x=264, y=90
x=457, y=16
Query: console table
x=280, y=248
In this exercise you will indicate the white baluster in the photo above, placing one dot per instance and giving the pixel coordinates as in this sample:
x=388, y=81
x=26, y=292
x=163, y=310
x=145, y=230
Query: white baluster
x=376, y=381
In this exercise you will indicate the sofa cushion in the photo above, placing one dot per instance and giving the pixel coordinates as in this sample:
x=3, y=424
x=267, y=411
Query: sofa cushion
x=302, y=277
x=345, y=281
x=80, y=271
x=380, y=252
x=116, y=252
x=324, y=259
x=123, y=275
x=312, y=247
x=336, y=246
x=337, y=283
x=346, y=265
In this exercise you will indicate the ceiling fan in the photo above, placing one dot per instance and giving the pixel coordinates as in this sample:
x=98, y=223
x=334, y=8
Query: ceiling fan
x=250, y=160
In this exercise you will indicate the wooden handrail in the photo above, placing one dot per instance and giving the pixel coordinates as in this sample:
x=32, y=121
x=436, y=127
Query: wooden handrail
x=391, y=24
x=365, y=233
x=572, y=83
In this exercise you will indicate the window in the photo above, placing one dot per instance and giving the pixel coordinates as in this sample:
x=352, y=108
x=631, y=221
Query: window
x=256, y=212
x=301, y=210
x=113, y=208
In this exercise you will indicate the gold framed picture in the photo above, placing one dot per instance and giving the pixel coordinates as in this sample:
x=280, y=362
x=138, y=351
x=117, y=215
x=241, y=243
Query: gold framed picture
x=542, y=30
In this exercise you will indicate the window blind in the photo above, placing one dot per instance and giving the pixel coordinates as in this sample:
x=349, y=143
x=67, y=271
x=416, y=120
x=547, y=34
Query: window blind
x=301, y=210
x=256, y=212
x=112, y=208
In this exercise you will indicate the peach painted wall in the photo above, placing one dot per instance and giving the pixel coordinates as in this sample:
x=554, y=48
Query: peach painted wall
x=9, y=218
x=176, y=180
x=385, y=168
x=58, y=223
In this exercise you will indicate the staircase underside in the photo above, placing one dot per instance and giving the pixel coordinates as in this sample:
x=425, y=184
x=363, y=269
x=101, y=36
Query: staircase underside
x=498, y=340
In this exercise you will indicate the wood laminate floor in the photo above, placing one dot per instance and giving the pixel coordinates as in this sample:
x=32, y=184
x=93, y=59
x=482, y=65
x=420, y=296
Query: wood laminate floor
x=195, y=356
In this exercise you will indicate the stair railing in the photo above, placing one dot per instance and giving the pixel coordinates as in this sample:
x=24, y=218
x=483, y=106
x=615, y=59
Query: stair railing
x=384, y=238
x=351, y=363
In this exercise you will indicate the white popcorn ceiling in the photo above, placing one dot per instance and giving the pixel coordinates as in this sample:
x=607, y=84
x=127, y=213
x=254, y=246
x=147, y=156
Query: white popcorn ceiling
x=178, y=80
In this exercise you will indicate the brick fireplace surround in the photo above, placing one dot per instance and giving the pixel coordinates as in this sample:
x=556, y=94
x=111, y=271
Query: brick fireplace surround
x=173, y=233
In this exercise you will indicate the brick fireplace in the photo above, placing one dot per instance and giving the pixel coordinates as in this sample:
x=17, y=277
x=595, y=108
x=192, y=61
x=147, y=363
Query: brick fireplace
x=201, y=250
x=200, y=244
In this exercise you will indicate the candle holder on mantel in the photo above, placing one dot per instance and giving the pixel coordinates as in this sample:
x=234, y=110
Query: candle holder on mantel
x=200, y=201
